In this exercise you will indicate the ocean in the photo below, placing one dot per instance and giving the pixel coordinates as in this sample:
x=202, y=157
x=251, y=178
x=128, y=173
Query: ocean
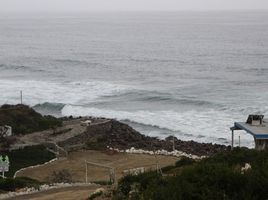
x=188, y=74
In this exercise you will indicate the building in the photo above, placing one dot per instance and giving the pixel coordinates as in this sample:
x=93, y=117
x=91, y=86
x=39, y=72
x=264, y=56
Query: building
x=5, y=131
x=257, y=126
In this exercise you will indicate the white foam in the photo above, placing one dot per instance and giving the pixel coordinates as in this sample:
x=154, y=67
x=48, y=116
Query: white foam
x=35, y=92
x=211, y=123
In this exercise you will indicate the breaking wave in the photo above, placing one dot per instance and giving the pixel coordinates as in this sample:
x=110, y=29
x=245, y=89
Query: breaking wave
x=206, y=126
x=23, y=68
x=38, y=92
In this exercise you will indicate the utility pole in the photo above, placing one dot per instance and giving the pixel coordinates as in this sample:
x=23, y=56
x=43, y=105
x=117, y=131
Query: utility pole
x=173, y=141
x=21, y=97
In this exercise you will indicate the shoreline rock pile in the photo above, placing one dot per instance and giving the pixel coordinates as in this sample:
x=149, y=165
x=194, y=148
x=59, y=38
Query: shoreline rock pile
x=121, y=136
x=163, y=152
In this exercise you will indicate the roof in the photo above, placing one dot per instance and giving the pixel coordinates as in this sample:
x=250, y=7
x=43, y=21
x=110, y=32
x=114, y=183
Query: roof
x=258, y=131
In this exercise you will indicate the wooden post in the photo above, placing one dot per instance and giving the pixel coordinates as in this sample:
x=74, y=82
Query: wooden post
x=173, y=143
x=239, y=140
x=86, y=170
x=20, y=97
x=232, y=139
x=115, y=182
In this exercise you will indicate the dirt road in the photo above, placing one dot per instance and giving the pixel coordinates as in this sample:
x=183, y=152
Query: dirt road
x=69, y=193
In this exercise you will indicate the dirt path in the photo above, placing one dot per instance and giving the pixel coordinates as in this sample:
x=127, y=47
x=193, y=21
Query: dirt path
x=69, y=193
x=69, y=129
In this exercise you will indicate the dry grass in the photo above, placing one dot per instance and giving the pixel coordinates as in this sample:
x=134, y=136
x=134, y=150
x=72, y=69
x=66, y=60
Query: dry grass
x=70, y=193
x=75, y=164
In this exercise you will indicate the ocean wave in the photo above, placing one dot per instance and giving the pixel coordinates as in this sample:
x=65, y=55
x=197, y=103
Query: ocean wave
x=49, y=108
x=211, y=124
x=152, y=96
x=20, y=68
x=38, y=92
x=2, y=66
x=156, y=60
x=80, y=63
x=72, y=61
x=5, y=66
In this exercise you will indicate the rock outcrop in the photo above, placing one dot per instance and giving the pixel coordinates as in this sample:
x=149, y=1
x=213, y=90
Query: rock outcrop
x=118, y=135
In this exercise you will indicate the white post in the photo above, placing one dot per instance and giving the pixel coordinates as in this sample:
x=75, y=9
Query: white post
x=86, y=170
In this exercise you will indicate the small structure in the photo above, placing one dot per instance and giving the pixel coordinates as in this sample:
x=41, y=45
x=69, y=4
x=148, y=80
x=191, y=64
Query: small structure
x=257, y=126
x=86, y=123
x=5, y=131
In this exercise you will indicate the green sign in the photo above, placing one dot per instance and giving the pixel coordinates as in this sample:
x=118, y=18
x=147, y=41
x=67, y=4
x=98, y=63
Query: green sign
x=4, y=164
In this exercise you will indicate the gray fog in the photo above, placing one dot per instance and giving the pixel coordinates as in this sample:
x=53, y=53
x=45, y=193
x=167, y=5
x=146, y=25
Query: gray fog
x=128, y=5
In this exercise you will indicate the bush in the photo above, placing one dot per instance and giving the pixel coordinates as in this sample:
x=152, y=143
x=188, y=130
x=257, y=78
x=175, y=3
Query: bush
x=10, y=184
x=96, y=194
x=24, y=119
x=184, y=161
x=217, y=177
x=62, y=176
x=28, y=156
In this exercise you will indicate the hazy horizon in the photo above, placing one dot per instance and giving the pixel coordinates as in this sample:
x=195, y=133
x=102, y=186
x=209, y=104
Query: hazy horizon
x=128, y=5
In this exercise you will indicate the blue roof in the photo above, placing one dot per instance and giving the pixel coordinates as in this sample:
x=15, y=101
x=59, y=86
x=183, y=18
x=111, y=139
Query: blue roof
x=258, y=131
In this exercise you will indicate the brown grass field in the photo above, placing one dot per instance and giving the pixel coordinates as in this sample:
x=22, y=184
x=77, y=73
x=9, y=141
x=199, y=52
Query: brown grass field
x=75, y=164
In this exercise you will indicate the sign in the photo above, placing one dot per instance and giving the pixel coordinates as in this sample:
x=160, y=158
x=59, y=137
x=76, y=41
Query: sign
x=4, y=165
x=5, y=131
x=4, y=168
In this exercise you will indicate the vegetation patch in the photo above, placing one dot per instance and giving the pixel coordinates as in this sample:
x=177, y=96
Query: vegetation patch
x=102, y=182
x=217, y=177
x=28, y=156
x=62, y=176
x=24, y=119
x=12, y=184
x=99, y=192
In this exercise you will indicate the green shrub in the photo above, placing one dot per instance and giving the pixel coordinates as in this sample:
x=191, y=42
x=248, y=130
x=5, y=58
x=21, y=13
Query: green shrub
x=28, y=156
x=62, y=176
x=24, y=119
x=10, y=184
x=184, y=161
x=217, y=177
x=102, y=182
x=95, y=195
x=167, y=168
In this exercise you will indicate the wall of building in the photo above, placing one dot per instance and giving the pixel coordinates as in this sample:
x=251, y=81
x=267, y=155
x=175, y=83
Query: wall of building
x=261, y=144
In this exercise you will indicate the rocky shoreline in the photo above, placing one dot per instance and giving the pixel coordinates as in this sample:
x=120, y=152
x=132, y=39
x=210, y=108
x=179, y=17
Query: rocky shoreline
x=73, y=134
x=121, y=136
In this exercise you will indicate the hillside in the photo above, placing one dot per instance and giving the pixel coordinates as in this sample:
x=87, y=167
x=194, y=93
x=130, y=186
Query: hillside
x=118, y=135
x=218, y=177
x=24, y=119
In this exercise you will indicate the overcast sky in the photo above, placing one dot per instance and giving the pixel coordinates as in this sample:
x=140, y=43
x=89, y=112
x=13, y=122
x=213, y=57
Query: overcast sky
x=125, y=5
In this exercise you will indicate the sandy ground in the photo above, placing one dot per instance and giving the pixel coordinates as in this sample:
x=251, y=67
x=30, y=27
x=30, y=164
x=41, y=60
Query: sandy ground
x=70, y=193
x=69, y=129
x=75, y=164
